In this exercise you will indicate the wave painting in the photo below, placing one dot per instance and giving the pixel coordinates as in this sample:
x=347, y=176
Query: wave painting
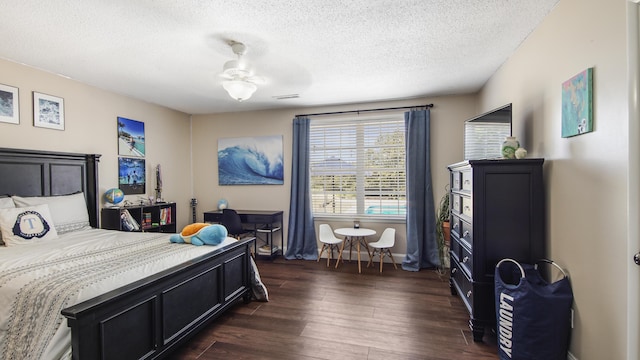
x=250, y=161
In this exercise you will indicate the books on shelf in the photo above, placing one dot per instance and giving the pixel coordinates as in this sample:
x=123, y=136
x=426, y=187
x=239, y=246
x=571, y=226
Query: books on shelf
x=146, y=220
x=128, y=222
x=165, y=216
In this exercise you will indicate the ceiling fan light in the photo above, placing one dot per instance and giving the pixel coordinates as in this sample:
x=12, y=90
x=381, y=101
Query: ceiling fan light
x=234, y=68
x=239, y=90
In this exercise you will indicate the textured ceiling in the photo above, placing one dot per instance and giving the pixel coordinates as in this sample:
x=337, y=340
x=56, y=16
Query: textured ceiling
x=171, y=52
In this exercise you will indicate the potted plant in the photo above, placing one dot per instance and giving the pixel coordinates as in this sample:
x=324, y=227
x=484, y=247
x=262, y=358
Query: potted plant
x=442, y=227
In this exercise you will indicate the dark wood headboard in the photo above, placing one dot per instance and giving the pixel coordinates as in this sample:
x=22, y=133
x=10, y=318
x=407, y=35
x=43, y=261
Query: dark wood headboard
x=47, y=173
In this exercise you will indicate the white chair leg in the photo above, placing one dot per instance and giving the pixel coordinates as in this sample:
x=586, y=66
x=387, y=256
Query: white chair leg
x=329, y=254
x=373, y=253
x=392, y=260
x=321, y=251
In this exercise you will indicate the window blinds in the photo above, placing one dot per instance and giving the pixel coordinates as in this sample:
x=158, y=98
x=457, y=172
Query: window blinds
x=357, y=167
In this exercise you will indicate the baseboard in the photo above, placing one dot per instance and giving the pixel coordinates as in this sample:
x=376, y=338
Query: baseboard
x=570, y=356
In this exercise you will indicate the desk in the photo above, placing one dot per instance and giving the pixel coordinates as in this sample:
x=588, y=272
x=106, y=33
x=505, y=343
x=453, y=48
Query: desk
x=261, y=221
x=357, y=235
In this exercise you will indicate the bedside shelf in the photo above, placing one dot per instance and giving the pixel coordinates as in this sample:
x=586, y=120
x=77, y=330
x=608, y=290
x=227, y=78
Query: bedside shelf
x=150, y=218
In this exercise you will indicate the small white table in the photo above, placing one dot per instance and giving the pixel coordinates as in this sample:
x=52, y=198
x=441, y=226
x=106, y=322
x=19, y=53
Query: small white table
x=358, y=235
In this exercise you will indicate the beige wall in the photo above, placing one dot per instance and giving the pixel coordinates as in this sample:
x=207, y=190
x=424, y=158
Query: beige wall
x=586, y=175
x=90, y=127
x=447, y=116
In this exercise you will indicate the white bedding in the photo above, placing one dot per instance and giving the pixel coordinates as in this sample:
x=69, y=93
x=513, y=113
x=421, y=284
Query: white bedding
x=38, y=280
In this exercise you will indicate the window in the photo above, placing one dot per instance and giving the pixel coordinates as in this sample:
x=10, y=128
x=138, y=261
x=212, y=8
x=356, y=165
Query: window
x=357, y=167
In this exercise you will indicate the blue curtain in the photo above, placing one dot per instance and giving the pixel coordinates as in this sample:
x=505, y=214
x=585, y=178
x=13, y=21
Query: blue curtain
x=301, y=238
x=422, y=245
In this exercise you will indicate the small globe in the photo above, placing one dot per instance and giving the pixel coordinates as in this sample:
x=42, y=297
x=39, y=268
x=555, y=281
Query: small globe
x=114, y=196
x=222, y=204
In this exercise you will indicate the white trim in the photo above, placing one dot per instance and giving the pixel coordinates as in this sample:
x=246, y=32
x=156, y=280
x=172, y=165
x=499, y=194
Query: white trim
x=633, y=181
x=569, y=354
x=191, y=152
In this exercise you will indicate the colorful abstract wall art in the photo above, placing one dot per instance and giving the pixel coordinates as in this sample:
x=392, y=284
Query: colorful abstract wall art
x=577, y=104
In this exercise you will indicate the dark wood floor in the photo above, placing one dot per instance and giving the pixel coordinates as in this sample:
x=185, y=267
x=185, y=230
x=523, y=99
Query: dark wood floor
x=317, y=312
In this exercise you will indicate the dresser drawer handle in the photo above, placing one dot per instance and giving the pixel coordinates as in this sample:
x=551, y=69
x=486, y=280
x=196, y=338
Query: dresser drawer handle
x=456, y=225
x=467, y=207
x=467, y=182
x=465, y=259
x=454, y=270
x=469, y=293
x=465, y=233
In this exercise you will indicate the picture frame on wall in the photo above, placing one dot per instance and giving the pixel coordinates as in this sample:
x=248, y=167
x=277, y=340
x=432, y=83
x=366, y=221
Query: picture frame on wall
x=577, y=104
x=251, y=160
x=131, y=138
x=9, y=104
x=48, y=111
x=132, y=175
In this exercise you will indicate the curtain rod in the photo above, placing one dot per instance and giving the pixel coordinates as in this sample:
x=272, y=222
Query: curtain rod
x=368, y=110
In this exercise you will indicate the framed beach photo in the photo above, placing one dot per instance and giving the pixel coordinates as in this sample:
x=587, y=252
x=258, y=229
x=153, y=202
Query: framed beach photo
x=9, y=104
x=130, y=137
x=132, y=175
x=48, y=111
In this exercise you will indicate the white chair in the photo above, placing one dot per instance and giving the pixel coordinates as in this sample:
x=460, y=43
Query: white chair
x=382, y=246
x=329, y=241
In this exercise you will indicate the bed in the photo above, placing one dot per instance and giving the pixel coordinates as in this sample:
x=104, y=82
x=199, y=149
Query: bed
x=121, y=295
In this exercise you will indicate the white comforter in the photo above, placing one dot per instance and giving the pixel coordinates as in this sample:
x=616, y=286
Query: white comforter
x=38, y=280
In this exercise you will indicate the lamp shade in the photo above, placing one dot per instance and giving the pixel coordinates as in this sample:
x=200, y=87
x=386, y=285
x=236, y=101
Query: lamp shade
x=239, y=89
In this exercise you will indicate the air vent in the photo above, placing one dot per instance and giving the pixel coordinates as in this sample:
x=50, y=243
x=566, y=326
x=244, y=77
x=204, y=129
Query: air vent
x=284, y=97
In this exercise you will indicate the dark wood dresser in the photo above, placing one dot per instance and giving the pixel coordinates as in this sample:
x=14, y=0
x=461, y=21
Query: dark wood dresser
x=497, y=212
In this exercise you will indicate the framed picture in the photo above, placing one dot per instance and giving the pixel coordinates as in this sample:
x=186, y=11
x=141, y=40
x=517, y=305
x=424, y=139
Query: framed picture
x=131, y=175
x=577, y=104
x=9, y=104
x=48, y=111
x=251, y=161
x=130, y=137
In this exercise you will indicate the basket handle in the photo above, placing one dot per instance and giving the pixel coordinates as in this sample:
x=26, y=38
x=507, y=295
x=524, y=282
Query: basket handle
x=513, y=261
x=552, y=263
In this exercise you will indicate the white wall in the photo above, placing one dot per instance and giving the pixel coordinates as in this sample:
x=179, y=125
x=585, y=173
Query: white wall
x=586, y=175
x=91, y=127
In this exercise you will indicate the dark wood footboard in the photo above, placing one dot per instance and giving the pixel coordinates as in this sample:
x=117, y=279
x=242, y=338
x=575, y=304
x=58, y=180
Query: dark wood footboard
x=149, y=318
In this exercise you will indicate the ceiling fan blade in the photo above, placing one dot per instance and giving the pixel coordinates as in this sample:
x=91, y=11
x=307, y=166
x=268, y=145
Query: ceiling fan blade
x=257, y=79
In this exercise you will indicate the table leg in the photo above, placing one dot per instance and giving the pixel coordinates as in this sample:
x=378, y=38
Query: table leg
x=340, y=253
x=358, y=249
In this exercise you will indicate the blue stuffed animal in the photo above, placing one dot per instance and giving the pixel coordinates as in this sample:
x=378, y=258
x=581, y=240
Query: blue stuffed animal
x=200, y=234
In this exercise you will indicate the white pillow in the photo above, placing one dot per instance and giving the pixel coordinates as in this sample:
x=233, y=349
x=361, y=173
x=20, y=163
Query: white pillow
x=5, y=203
x=26, y=225
x=69, y=212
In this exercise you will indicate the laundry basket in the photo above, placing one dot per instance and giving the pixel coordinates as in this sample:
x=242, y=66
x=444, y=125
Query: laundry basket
x=533, y=316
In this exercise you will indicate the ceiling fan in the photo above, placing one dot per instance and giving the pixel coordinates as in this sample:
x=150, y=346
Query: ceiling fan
x=240, y=81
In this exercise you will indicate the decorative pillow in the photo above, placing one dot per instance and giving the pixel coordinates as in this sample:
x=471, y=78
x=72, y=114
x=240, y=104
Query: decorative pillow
x=26, y=225
x=69, y=212
x=5, y=203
